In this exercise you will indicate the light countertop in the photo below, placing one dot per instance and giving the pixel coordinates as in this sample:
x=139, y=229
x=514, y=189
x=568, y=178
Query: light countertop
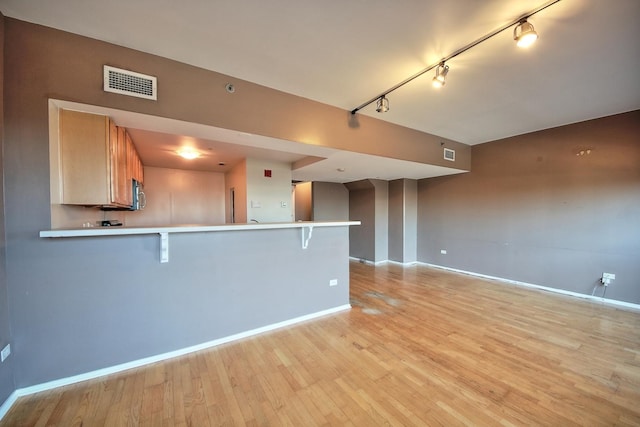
x=188, y=228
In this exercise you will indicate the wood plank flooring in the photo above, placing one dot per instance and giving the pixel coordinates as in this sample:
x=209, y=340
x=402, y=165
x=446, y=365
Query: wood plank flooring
x=421, y=346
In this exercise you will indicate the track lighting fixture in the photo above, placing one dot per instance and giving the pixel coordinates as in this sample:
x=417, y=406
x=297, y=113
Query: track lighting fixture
x=383, y=104
x=441, y=75
x=524, y=34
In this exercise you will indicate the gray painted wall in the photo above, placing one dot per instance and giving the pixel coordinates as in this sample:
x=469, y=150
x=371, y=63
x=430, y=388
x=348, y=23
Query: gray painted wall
x=89, y=303
x=410, y=220
x=403, y=211
x=396, y=220
x=369, y=203
x=330, y=201
x=6, y=369
x=534, y=210
x=381, y=219
x=362, y=208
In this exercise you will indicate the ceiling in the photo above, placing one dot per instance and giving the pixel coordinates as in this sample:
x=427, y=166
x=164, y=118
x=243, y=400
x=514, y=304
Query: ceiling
x=344, y=53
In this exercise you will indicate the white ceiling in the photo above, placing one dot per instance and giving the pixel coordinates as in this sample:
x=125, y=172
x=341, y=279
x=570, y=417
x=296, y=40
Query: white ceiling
x=343, y=53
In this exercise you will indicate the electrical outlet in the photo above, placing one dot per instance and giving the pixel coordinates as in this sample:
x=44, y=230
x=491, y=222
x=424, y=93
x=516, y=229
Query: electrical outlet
x=6, y=351
x=443, y=251
x=607, y=278
x=333, y=282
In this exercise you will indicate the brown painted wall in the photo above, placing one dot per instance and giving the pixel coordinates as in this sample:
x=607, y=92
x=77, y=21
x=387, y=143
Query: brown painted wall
x=362, y=207
x=532, y=210
x=69, y=67
x=6, y=368
x=330, y=201
x=403, y=211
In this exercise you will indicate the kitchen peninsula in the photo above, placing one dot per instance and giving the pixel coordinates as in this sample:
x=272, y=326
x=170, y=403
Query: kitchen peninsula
x=155, y=288
x=306, y=228
x=222, y=282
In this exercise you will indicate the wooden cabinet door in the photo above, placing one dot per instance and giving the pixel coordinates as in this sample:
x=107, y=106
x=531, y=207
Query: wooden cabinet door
x=139, y=169
x=134, y=165
x=121, y=192
x=114, y=136
x=98, y=161
x=131, y=154
x=84, y=158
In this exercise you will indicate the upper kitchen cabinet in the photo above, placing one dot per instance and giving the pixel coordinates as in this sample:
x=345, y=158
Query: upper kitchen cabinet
x=134, y=164
x=97, y=161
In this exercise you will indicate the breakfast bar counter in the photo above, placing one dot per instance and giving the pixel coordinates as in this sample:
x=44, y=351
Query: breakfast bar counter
x=126, y=304
x=306, y=231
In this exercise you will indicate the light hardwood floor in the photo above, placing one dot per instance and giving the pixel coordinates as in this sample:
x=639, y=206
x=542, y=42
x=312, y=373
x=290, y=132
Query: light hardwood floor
x=421, y=346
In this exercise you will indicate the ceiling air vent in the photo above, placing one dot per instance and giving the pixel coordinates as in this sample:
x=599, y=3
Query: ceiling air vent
x=130, y=83
x=450, y=154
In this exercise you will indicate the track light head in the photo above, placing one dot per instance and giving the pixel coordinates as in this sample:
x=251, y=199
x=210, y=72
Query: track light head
x=441, y=75
x=524, y=34
x=383, y=104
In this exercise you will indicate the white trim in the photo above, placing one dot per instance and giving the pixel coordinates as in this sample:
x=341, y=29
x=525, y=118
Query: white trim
x=4, y=408
x=404, y=264
x=362, y=260
x=539, y=287
x=386, y=261
x=160, y=357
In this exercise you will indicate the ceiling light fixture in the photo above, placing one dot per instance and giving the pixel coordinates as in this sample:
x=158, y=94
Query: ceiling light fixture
x=525, y=27
x=188, y=153
x=441, y=75
x=524, y=34
x=383, y=104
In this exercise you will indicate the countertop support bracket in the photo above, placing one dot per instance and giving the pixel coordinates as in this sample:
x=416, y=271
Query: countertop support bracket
x=164, y=247
x=305, y=242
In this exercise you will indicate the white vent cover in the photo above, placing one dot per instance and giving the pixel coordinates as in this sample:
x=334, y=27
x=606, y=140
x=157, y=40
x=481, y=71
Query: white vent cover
x=130, y=83
x=450, y=154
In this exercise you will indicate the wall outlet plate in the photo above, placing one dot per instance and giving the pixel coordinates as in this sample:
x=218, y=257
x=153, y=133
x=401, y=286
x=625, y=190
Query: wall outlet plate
x=6, y=351
x=333, y=282
x=609, y=276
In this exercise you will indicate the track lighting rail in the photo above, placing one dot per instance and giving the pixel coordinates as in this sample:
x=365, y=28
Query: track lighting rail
x=454, y=54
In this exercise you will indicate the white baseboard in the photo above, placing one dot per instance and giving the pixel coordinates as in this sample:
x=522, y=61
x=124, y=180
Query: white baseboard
x=160, y=357
x=404, y=264
x=386, y=261
x=539, y=287
x=509, y=281
x=4, y=408
x=364, y=261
